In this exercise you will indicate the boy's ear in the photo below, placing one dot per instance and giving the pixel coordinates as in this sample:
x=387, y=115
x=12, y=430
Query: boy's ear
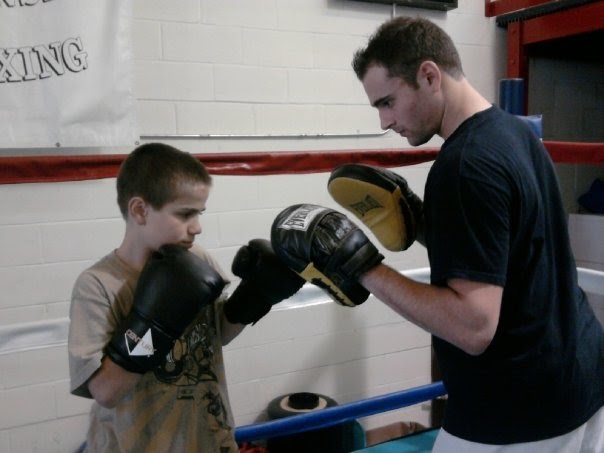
x=137, y=210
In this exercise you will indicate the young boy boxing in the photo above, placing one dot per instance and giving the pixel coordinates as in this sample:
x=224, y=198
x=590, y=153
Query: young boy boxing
x=148, y=321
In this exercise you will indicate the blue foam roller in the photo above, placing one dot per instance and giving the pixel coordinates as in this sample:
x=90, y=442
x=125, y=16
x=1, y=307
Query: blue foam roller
x=511, y=96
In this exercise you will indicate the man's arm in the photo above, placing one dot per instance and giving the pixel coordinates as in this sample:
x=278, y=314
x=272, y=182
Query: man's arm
x=465, y=313
x=339, y=255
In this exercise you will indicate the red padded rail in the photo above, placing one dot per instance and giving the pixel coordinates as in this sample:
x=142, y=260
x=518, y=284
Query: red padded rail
x=33, y=169
x=43, y=169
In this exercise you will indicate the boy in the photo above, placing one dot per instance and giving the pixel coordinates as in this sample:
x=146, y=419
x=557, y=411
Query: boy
x=146, y=346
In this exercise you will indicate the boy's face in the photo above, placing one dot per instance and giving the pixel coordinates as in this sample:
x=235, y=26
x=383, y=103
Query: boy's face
x=177, y=222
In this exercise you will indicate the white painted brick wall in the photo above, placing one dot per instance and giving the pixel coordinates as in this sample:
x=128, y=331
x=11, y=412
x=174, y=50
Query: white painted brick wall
x=229, y=67
x=586, y=233
x=202, y=43
x=215, y=118
x=21, y=245
x=250, y=84
x=174, y=81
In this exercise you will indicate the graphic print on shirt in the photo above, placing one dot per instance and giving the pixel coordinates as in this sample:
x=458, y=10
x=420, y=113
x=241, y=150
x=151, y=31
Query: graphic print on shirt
x=190, y=362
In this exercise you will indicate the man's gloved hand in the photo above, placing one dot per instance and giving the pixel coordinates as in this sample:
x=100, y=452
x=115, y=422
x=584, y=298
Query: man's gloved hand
x=326, y=249
x=382, y=200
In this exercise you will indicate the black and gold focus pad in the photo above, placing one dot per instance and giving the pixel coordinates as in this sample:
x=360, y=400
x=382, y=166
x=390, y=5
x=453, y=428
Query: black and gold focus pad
x=382, y=200
x=326, y=249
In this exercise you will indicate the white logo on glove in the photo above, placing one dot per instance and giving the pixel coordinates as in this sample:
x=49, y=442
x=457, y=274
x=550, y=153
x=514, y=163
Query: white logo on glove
x=143, y=346
x=302, y=217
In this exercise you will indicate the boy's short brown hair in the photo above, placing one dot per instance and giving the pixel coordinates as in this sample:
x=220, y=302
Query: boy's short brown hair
x=155, y=172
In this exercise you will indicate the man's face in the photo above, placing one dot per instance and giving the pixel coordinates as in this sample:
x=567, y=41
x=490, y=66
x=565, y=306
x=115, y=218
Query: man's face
x=404, y=109
x=177, y=222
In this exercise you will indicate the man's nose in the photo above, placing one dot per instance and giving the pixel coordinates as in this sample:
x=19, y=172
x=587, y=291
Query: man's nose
x=385, y=120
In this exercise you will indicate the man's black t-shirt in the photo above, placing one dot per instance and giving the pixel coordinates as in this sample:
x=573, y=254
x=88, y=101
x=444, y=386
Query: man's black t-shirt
x=494, y=215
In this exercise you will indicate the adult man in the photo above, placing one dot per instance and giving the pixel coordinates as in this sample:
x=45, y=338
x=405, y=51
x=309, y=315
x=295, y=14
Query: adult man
x=520, y=350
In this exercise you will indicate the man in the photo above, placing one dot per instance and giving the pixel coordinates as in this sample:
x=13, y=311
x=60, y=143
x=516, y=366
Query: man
x=519, y=348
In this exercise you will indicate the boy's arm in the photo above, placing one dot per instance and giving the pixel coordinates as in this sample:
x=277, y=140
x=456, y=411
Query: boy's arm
x=229, y=331
x=171, y=290
x=107, y=383
x=111, y=383
x=173, y=286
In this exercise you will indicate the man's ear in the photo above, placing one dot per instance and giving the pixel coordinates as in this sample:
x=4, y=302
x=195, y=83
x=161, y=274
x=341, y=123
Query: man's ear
x=429, y=74
x=137, y=210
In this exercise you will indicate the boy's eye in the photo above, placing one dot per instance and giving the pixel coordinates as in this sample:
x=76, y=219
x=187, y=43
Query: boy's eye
x=190, y=214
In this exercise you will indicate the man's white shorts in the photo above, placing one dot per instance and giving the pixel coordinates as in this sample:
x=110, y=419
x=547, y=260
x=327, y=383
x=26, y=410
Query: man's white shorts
x=587, y=438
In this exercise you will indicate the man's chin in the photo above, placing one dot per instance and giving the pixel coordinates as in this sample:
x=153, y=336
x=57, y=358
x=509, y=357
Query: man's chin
x=417, y=141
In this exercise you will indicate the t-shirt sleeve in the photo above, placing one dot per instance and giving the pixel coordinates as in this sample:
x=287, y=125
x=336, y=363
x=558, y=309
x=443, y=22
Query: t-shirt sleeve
x=90, y=327
x=472, y=238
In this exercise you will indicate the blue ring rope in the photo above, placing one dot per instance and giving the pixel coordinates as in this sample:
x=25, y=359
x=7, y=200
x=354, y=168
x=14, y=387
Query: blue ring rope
x=338, y=414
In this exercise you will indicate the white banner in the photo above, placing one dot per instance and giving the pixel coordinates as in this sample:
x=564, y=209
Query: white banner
x=65, y=74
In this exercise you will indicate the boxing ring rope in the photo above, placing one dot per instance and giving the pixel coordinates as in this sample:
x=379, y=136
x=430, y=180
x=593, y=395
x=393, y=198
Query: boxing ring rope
x=338, y=414
x=44, y=169
x=27, y=336
x=335, y=415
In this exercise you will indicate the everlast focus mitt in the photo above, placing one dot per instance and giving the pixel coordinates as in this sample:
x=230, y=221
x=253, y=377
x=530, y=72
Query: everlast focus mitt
x=382, y=200
x=326, y=249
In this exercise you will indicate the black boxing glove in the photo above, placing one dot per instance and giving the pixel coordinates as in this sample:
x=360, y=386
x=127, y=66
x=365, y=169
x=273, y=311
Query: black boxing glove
x=326, y=249
x=173, y=287
x=265, y=281
x=382, y=200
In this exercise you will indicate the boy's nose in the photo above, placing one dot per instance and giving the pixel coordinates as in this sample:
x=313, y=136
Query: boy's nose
x=195, y=227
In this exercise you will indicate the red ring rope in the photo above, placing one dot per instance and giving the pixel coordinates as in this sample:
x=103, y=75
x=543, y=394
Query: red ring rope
x=43, y=169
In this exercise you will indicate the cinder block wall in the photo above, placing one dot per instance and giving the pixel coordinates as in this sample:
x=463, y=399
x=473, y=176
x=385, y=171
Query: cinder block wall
x=569, y=93
x=277, y=67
